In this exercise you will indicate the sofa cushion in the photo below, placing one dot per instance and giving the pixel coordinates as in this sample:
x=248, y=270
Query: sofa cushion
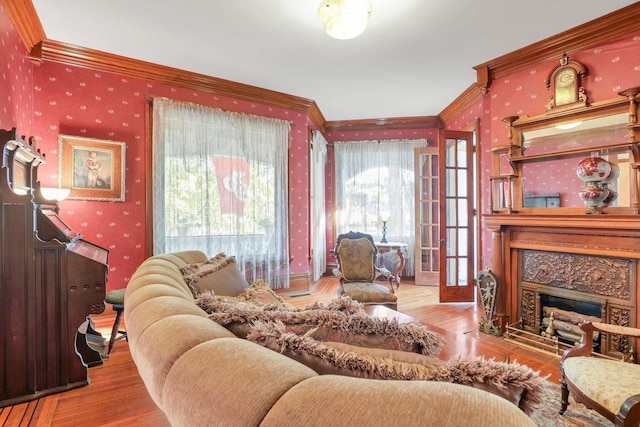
x=219, y=274
x=228, y=382
x=358, y=401
x=512, y=381
x=342, y=321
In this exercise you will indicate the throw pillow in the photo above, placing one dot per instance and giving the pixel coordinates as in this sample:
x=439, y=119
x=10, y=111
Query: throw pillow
x=512, y=381
x=219, y=274
x=342, y=321
x=261, y=294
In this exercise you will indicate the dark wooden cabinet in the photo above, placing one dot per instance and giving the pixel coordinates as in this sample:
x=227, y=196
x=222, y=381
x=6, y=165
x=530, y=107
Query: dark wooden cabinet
x=51, y=280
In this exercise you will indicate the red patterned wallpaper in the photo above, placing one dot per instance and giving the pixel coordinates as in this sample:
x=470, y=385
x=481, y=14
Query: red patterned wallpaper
x=75, y=101
x=15, y=80
x=611, y=68
x=51, y=99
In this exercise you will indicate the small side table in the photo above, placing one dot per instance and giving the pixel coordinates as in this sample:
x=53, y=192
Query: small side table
x=401, y=249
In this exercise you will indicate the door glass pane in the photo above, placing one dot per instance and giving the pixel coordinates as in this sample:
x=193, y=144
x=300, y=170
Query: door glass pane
x=451, y=182
x=462, y=153
x=452, y=218
x=435, y=212
x=462, y=213
x=462, y=271
x=452, y=272
x=462, y=242
x=427, y=261
x=450, y=158
x=462, y=179
x=452, y=241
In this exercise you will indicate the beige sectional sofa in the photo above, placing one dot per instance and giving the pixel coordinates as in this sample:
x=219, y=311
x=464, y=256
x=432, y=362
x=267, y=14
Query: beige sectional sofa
x=200, y=374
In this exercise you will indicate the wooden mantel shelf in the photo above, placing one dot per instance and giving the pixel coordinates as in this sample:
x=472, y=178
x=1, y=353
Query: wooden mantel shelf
x=591, y=222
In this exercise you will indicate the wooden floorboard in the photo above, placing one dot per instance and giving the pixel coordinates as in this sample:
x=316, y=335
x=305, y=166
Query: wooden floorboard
x=116, y=395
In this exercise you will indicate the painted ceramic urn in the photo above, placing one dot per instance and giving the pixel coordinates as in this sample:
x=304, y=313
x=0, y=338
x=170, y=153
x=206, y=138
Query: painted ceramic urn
x=593, y=196
x=594, y=169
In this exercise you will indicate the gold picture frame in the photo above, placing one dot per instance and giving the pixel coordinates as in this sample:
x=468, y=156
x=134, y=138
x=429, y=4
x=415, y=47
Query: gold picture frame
x=93, y=169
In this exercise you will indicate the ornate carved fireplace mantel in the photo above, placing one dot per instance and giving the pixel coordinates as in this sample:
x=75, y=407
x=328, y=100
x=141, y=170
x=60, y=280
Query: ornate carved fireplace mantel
x=587, y=257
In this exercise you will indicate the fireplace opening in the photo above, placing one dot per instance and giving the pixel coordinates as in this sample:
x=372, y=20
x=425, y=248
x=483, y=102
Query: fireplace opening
x=560, y=317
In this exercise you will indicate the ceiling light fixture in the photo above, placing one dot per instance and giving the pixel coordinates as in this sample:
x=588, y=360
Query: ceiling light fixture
x=344, y=19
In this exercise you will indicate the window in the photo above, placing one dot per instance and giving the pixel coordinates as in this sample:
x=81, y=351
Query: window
x=375, y=183
x=220, y=185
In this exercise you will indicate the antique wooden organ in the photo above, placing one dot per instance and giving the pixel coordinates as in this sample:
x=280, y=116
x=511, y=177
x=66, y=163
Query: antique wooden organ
x=51, y=281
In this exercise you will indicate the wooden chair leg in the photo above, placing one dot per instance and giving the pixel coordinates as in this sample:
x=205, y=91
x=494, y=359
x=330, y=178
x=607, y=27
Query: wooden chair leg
x=565, y=396
x=115, y=331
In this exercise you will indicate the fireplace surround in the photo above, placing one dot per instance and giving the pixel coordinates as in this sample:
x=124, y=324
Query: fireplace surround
x=587, y=260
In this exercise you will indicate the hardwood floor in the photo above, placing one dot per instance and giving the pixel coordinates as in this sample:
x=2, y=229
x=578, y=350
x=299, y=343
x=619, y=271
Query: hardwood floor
x=116, y=395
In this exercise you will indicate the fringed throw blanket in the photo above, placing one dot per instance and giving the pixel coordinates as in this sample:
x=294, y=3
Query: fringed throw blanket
x=342, y=320
x=512, y=381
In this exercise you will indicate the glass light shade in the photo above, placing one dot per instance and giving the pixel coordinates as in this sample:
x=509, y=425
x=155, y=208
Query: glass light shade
x=58, y=194
x=344, y=19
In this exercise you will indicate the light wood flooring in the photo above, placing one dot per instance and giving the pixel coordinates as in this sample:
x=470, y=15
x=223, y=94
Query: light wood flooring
x=116, y=395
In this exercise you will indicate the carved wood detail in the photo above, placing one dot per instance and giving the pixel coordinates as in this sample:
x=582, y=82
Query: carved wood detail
x=617, y=343
x=529, y=309
x=583, y=273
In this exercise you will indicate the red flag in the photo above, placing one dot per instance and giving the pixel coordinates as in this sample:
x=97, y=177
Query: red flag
x=233, y=181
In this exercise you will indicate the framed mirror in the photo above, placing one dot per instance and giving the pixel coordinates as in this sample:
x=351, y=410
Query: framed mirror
x=549, y=149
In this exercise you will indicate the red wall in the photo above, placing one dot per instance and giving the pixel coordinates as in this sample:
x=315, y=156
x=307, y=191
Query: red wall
x=611, y=68
x=16, y=87
x=75, y=101
x=51, y=99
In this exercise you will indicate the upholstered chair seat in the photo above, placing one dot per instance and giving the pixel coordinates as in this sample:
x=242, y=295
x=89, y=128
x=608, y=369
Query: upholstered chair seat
x=610, y=387
x=356, y=254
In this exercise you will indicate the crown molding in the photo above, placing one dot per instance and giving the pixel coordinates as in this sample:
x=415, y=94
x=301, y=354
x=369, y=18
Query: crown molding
x=63, y=53
x=609, y=27
x=24, y=17
x=606, y=28
x=41, y=49
x=418, y=122
x=462, y=103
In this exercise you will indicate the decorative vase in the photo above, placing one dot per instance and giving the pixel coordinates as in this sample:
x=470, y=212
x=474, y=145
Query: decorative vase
x=592, y=196
x=593, y=169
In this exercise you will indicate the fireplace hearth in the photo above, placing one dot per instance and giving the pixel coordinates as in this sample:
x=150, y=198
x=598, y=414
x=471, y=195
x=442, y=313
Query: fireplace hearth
x=576, y=266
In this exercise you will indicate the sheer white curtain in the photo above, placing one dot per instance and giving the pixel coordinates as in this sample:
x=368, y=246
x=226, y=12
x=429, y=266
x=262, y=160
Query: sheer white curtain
x=318, y=232
x=220, y=185
x=375, y=182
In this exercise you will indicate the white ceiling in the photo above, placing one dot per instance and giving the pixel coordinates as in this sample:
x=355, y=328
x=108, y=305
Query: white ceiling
x=414, y=59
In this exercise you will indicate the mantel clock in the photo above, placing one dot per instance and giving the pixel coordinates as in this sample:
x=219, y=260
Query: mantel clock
x=564, y=81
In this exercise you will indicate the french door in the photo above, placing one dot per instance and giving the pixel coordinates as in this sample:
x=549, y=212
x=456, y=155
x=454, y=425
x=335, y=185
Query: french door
x=444, y=217
x=427, y=182
x=457, y=278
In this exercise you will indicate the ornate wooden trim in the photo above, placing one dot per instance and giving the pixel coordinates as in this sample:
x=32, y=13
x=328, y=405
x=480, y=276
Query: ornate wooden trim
x=419, y=122
x=24, y=17
x=40, y=49
x=606, y=28
x=51, y=50
x=462, y=103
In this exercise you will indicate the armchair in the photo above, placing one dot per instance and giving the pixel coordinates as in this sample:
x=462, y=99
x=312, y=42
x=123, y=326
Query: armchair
x=356, y=256
x=610, y=387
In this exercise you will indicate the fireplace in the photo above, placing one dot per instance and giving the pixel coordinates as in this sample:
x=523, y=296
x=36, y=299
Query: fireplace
x=560, y=318
x=582, y=265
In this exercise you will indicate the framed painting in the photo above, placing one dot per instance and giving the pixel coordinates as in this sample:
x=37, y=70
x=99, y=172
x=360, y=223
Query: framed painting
x=93, y=169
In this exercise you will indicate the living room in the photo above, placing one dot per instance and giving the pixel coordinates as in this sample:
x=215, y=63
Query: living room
x=53, y=89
